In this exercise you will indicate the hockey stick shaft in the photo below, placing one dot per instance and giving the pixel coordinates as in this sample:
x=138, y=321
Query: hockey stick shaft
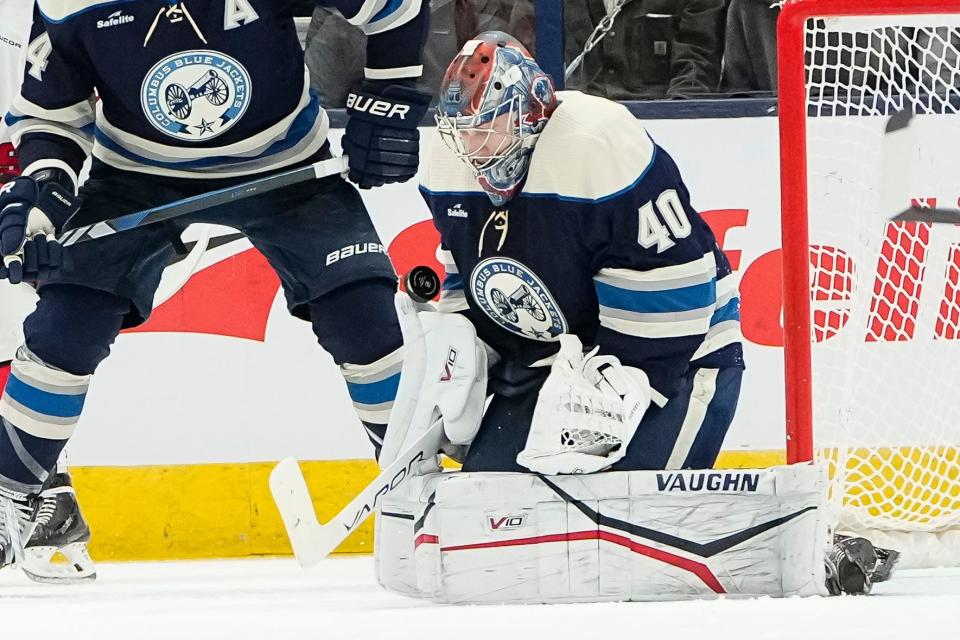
x=179, y=208
x=312, y=541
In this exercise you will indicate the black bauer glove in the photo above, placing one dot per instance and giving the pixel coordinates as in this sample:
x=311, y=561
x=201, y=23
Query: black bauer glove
x=32, y=210
x=382, y=140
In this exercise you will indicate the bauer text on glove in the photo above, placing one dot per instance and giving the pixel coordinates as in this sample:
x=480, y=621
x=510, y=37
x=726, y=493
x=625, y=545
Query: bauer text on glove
x=382, y=139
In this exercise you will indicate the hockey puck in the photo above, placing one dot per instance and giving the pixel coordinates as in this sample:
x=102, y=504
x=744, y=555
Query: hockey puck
x=422, y=283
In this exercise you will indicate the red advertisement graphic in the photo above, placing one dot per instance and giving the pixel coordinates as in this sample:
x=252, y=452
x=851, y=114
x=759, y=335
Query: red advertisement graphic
x=234, y=296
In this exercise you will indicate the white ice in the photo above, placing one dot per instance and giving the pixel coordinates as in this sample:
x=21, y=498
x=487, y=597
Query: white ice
x=273, y=599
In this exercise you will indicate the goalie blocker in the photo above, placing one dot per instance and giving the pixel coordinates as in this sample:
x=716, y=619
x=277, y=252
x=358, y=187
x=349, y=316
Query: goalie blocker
x=632, y=535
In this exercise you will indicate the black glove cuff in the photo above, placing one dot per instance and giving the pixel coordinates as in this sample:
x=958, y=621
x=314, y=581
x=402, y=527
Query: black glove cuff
x=57, y=202
x=52, y=174
x=389, y=105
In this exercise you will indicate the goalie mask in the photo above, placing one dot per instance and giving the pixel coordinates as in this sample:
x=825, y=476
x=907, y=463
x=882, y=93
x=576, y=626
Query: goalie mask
x=494, y=102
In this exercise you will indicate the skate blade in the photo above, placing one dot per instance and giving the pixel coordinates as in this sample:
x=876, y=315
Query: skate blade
x=52, y=565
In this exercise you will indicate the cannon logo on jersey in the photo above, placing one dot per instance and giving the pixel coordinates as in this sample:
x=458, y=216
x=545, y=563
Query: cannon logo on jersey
x=515, y=298
x=196, y=95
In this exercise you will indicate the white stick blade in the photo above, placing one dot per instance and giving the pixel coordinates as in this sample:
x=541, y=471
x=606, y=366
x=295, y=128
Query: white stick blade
x=290, y=492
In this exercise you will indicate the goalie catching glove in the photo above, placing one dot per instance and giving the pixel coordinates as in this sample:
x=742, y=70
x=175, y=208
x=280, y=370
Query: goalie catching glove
x=587, y=412
x=444, y=377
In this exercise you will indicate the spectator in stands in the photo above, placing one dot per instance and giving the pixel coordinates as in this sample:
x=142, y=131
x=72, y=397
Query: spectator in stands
x=335, y=54
x=452, y=23
x=859, y=63
x=656, y=48
x=750, y=58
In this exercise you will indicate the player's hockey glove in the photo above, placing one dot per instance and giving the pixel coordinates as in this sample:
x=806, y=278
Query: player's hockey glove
x=382, y=140
x=33, y=209
x=587, y=412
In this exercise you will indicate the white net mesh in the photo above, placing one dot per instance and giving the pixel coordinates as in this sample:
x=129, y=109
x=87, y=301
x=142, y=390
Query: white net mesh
x=883, y=105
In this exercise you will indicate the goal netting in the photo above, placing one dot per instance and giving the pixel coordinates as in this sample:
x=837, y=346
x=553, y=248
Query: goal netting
x=870, y=128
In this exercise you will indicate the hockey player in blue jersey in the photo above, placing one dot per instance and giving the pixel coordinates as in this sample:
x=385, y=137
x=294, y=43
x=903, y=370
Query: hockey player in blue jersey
x=564, y=224
x=194, y=96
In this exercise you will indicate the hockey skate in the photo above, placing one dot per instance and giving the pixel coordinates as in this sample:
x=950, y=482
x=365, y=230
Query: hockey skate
x=57, y=549
x=854, y=565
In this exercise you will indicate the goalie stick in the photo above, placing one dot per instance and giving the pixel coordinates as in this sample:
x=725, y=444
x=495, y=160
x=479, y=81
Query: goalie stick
x=312, y=540
x=179, y=208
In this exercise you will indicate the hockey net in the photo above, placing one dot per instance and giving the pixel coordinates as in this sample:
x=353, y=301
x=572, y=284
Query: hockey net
x=870, y=127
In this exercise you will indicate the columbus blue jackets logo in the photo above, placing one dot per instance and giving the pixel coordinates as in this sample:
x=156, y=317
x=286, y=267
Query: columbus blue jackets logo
x=516, y=299
x=196, y=95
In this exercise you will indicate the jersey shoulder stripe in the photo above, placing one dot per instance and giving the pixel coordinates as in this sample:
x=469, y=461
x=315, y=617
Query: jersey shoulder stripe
x=395, y=14
x=58, y=11
x=377, y=16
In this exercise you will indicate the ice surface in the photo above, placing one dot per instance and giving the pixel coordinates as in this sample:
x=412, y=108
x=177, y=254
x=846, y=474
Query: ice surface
x=273, y=599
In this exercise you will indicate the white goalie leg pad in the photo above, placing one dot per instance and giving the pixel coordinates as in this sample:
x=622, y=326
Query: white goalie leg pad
x=637, y=535
x=444, y=374
x=399, y=533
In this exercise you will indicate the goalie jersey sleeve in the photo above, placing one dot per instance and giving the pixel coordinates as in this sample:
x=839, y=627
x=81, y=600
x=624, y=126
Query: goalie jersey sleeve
x=190, y=89
x=667, y=299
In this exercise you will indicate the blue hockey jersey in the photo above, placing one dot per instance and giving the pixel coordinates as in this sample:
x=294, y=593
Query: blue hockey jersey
x=601, y=242
x=193, y=89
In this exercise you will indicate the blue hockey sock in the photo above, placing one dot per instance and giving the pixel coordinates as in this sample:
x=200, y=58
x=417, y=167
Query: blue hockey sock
x=357, y=324
x=39, y=410
x=373, y=388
